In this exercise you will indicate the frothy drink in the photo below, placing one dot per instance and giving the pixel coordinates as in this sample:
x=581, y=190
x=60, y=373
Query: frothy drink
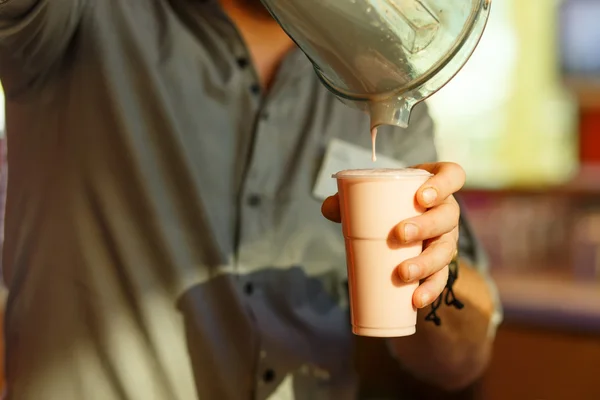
x=372, y=203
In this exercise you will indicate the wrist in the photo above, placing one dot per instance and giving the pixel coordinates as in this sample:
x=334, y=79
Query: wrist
x=473, y=288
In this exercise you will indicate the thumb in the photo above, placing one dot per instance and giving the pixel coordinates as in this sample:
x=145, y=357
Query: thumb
x=331, y=208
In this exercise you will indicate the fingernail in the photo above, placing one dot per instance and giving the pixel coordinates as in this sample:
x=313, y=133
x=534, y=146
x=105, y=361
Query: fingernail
x=429, y=195
x=413, y=272
x=410, y=232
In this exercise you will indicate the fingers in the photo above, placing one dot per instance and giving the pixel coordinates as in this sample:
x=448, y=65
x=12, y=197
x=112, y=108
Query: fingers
x=435, y=222
x=431, y=288
x=448, y=179
x=331, y=208
x=438, y=254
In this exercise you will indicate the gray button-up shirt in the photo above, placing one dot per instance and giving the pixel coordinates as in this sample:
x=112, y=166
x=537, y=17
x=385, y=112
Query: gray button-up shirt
x=162, y=237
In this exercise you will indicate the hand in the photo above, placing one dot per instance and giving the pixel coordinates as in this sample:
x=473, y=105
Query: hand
x=437, y=228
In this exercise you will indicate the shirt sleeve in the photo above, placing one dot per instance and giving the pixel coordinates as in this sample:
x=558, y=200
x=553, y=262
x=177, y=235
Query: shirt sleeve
x=34, y=34
x=416, y=145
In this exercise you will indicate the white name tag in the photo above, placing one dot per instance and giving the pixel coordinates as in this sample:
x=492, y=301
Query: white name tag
x=341, y=155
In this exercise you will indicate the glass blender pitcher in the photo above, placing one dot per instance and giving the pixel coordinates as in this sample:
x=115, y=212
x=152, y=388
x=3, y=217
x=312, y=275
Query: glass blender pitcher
x=384, y=56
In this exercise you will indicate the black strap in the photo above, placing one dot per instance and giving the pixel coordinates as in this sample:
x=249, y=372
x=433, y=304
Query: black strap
x=447, y=296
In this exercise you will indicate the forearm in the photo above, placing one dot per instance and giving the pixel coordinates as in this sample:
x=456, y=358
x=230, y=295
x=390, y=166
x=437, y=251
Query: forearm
x=453, y=355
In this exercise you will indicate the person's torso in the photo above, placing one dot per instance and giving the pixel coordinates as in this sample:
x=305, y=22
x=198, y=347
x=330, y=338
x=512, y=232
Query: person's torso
x=162, y=239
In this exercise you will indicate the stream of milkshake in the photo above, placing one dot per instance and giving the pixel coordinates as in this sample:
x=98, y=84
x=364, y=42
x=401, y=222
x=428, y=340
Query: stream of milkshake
x=373, y=140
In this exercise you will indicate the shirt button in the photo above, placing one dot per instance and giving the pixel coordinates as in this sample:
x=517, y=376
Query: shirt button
x=255, y=89
x=242, y=62
x=254, y=200
x=249, y=288
x=268, y=376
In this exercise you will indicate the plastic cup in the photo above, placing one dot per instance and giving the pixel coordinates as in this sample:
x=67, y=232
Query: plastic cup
x=372, y=203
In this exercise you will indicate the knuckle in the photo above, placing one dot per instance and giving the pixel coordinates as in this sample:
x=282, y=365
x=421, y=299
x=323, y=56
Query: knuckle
x=453, y=211
x=429, y=227
x=455, y=176
x=443, y=220
x=445, y=180
x=437, y=284
x=447, y=249
x=426, y=266
x=440, y=255
x=429, y=266
x=459, y=171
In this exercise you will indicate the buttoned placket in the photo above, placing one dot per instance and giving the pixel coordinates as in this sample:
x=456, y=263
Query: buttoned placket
x=256, y=197
x=254, y=221
x=253, y=201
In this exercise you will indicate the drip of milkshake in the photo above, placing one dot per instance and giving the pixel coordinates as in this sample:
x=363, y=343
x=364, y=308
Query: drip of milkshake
x=373, y=141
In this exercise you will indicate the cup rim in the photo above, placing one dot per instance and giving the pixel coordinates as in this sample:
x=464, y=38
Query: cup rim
x=382, y=173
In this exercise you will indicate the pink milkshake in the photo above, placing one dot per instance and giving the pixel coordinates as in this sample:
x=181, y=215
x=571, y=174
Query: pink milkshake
x=372, y=203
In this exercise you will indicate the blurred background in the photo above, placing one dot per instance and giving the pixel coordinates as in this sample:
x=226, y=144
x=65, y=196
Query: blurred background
x=523, y=118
